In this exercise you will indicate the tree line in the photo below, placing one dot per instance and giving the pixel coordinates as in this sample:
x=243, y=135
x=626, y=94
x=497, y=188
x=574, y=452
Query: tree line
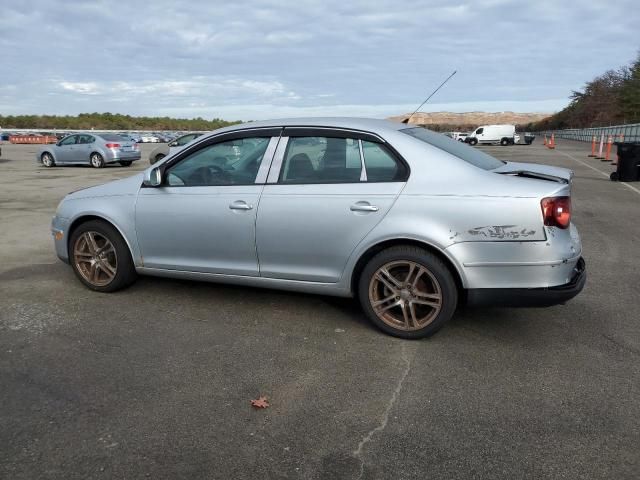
x=108, y=121
x=612, y=98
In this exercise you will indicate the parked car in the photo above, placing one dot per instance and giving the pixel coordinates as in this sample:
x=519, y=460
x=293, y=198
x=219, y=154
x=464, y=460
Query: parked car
x=493, y=134
x=179, y=143
x=96, y=150
x=148, y=138
x=407, y=220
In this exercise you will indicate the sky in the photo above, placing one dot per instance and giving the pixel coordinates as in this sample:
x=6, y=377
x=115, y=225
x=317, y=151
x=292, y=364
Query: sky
x=252, y=60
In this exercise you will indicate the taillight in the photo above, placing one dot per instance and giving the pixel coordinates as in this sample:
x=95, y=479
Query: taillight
x=112, y=145
x=136, y=146
x=556, y=211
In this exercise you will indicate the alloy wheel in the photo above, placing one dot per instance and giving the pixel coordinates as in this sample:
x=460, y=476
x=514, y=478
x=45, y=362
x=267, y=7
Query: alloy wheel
x=95, y=258
x=405, y=295
x=47, y=160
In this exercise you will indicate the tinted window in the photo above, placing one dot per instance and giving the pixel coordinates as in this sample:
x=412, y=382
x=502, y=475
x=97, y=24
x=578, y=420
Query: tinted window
x=461, y=150
x=381, y=166
x=321, y=160
x=85, y=139
x=112, y=137
x=479, y=131
x=71, y=140
x=182, y=141
x=234, y=162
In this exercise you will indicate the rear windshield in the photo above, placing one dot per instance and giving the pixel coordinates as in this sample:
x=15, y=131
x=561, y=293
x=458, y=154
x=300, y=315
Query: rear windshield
x=461, y=150
x=112, y=137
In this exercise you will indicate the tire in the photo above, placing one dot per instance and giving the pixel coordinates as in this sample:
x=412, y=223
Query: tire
x=427, y=279
x=96, y=160
x=473, y=141
x=47, y=160
x=504, y=142
x=115, y=268
x=614, y=176
x=125, y=163
x=157, y=158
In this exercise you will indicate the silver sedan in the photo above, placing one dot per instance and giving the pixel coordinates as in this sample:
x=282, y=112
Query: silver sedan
x=409, y=221
x=92, y=149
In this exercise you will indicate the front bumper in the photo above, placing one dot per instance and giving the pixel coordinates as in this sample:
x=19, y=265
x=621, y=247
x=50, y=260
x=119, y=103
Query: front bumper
x=530, y=297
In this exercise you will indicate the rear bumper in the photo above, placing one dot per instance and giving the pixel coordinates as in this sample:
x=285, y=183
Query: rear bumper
x=530, y=297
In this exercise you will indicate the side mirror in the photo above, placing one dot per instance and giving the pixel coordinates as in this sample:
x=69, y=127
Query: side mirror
x=152, y=178
x=173, y=144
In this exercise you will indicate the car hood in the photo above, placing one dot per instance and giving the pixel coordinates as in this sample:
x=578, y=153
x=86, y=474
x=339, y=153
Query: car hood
x=548, y=170
x=125, y=186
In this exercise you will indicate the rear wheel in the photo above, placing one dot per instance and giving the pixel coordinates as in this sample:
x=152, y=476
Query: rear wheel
x=47, y=160
x=504, y=142
x=100, y=257
x=96, y=160
x=473, y=141
x=125, y=163
x=407, y=292
x=158, y=157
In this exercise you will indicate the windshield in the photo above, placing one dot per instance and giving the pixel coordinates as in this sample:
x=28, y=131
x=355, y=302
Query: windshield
x=461, y=150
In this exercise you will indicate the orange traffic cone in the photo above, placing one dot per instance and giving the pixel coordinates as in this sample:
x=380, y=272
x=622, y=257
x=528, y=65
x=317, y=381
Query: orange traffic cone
x=545, y=141
x=600, y=157
x=608, y=154
x=552, y=142
x=593, y=147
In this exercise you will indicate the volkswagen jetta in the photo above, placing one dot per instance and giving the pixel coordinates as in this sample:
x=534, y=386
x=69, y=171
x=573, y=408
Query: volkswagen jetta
x=409, y=221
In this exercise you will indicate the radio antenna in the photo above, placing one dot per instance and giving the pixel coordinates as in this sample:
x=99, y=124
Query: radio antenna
x=432, y=94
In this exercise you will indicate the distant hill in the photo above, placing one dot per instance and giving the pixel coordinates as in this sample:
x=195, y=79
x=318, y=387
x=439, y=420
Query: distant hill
x=468, y=120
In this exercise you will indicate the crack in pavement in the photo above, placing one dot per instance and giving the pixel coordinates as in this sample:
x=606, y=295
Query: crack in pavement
x=385, y=417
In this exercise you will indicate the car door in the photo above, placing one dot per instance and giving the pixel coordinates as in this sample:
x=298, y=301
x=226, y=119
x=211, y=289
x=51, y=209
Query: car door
x=65, y=149
x=82, y=149
x=202, y=217
x=320, y=201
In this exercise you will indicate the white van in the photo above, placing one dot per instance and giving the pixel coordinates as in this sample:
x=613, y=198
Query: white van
x=489, y=134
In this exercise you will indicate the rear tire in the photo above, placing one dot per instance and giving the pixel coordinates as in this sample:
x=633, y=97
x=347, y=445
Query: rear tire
x=96, y=160
x=47, y=160
x=100, y=257
x=407, y=292
x=125, y=163
x=504, y=142
x=157, y=158
x=473, y=141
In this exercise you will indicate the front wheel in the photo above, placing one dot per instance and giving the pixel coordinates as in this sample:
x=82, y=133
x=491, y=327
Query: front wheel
x=157, y=158
x=125, y=163
x=407, y=292
x=100, y=257
x=96, y=160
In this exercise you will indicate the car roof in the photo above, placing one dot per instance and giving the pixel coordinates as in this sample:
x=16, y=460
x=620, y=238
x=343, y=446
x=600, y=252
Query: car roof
x=367, y=124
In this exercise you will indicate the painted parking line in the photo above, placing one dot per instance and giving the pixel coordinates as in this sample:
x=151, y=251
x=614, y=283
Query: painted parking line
x=631, y=187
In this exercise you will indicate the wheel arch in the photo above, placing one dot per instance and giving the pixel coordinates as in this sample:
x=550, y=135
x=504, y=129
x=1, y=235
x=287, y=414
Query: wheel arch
x=89, y=217
x=383, y=245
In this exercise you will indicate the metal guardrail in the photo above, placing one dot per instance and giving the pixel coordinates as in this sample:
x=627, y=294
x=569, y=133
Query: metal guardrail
x=631, y=133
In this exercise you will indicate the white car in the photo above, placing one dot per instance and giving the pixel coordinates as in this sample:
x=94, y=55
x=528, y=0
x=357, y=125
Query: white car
x=146, y=138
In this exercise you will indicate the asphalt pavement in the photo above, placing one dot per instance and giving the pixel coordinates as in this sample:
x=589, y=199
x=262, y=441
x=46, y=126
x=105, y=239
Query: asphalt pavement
x=156, y=381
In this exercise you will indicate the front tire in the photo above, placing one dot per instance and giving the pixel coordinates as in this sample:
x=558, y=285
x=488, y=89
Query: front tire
x=473, y=141
x=100, y=257
x=47, y=160
x=157, y=158
x=407, y=292
x=96, y=160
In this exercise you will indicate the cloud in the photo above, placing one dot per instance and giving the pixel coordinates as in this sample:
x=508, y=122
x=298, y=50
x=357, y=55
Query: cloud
x=266, y=57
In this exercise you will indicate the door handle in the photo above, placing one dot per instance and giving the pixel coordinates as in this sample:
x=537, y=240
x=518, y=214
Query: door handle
x=240, y=205
x=363, y=207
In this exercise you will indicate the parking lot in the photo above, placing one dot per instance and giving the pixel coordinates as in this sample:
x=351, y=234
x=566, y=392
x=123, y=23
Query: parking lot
x=157, y=380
